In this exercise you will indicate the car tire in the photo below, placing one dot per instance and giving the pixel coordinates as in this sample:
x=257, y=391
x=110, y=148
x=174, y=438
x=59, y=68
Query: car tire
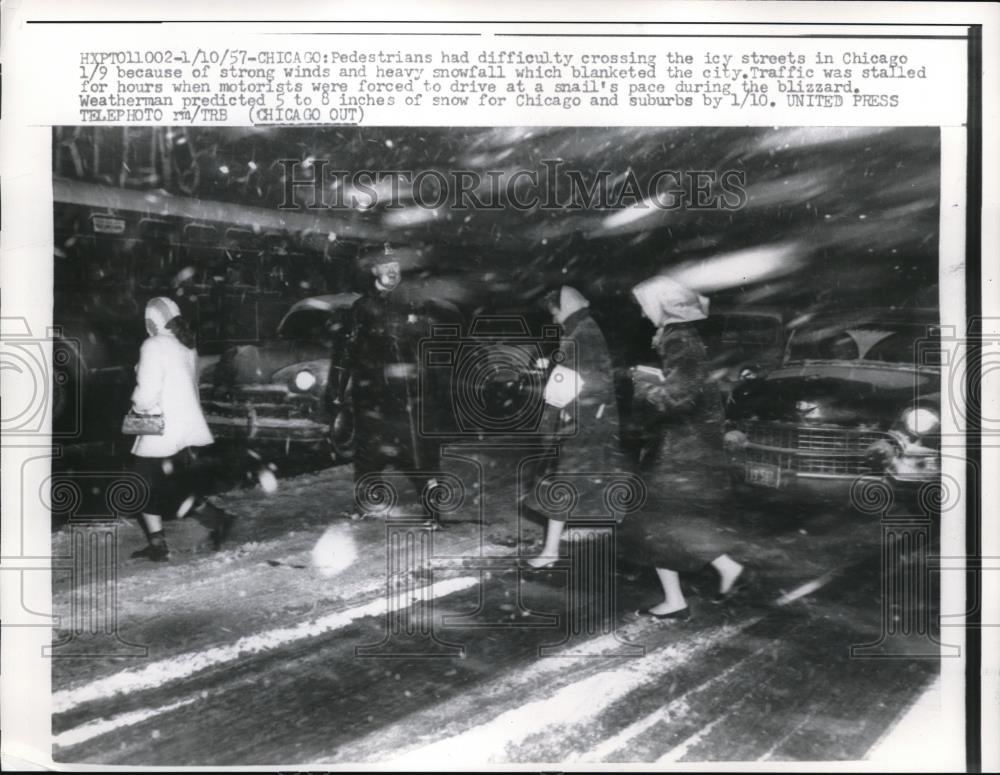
x=66, y=388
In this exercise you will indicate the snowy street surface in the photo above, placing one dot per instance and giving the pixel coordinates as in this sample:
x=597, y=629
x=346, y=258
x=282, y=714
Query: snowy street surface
x=311, y=638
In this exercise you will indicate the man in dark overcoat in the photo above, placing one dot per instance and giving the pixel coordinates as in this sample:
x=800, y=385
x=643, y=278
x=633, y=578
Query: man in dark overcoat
x=383, y=363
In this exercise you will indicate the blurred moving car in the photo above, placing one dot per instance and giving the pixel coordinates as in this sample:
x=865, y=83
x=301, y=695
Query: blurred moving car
x=742, y=343
x=277, y=391
x=857, y=396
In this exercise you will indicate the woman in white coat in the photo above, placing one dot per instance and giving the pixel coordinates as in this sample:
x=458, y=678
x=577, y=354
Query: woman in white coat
x=167, y=384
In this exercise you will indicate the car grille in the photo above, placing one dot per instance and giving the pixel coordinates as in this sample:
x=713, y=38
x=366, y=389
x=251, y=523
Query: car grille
x=809, y=450
x=275, y=403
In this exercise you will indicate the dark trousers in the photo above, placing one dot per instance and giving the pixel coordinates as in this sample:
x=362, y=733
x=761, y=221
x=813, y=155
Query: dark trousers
x=371, y=459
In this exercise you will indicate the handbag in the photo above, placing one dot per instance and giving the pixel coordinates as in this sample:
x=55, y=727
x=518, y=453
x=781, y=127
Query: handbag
x=136, y=424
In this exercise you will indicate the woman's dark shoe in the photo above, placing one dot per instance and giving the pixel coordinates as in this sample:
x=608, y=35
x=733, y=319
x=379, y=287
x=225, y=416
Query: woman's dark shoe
x=222, y=529
x=681, y=615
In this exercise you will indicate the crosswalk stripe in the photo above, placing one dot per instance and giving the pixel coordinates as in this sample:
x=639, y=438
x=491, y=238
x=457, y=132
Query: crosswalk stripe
x=102, y=726
x=183, y=665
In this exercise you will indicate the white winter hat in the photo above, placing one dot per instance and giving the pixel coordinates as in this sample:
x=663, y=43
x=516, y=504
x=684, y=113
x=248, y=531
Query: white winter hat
x=571, y=300
x=664, y=301
x=159, y=312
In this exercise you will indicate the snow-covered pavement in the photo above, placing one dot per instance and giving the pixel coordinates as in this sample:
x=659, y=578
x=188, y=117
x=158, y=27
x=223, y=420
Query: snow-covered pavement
x=265, y=652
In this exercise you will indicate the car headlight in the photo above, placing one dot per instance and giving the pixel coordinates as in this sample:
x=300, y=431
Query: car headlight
x=304, y=380
x=921, y=420
x=734, y=441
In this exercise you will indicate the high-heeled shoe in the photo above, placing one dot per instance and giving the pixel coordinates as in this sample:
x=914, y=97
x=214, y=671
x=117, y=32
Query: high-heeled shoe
x=680, y=615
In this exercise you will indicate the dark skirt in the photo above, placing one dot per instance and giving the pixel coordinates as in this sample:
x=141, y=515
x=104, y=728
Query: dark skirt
x=171, y=482
x=683, y=525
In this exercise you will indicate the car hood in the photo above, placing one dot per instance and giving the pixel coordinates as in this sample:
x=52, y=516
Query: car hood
x=848, y=393
x=256, y=364
x=728, y=364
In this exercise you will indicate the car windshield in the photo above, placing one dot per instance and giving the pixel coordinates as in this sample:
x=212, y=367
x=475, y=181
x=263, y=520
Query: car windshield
x=313, y=325
x=881, y=342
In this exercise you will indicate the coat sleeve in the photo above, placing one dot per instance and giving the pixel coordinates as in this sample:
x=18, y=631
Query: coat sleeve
x=587, y=354
x=339, y=377
x=149, y=376
x=595, y=367
x=684, y=375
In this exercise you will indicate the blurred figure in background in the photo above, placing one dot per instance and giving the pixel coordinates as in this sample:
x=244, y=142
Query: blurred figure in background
x=681, y=525
x=581, y=416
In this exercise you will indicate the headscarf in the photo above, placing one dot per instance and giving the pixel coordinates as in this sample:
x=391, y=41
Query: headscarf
x=665, y=301
x=570, y=301
x=159, y=312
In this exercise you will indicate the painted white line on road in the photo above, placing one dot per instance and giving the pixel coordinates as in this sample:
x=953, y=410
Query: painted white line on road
x=102, y=726
x=572, y=704
x=806, y=589
x=183, y=665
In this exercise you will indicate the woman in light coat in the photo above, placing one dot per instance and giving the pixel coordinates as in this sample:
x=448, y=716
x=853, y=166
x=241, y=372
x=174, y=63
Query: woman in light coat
x=167, y=384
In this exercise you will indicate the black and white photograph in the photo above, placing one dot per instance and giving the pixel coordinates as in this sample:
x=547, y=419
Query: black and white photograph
x=421, y=447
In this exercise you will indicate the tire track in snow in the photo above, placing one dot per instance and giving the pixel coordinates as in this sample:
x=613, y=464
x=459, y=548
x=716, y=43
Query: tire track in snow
x=675, y=709
x=571, y=704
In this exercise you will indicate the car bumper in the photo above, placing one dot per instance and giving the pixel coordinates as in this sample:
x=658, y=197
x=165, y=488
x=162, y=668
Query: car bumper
x=837, y=487
x=831, y=474
x=252, y=427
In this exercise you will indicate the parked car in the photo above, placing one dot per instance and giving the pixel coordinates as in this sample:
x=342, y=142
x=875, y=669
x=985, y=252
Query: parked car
x=742, y=343
x=857, y=395
x=277, y=391
x=93, y=375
